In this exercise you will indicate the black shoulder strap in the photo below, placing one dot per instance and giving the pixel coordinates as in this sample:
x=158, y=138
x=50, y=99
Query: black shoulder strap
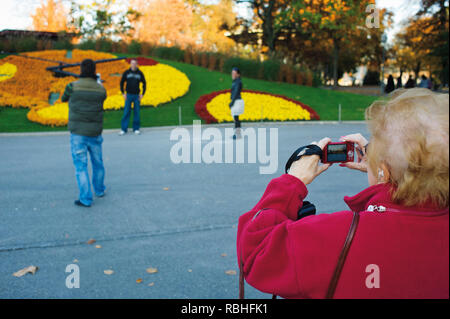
x=341, y=261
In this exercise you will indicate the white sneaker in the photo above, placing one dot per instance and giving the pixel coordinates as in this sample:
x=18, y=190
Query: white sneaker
x=137, y=132
x=122, y=133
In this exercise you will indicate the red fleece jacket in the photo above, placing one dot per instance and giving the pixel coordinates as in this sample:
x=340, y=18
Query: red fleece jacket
x=296, y=259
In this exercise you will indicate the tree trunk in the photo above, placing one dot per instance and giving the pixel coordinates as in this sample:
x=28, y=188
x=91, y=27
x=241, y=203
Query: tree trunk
x=335, y=62
x=269, y=37
x=444, y=31
x=268, y=29
x=417, y=71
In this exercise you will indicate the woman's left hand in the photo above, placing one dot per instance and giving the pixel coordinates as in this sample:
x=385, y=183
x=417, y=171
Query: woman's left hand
x=307, y=168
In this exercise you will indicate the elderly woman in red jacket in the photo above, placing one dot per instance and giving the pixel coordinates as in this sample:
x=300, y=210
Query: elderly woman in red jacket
x=393, y=242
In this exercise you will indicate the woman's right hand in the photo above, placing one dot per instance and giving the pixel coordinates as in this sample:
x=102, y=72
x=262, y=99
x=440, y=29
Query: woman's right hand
x=360, y=142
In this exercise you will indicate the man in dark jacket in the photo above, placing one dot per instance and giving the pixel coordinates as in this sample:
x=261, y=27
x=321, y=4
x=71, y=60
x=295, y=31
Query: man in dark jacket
x=133, y=77
x=86, y=97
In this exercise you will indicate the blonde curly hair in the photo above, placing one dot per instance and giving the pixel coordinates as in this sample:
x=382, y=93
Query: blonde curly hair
x=410, y=137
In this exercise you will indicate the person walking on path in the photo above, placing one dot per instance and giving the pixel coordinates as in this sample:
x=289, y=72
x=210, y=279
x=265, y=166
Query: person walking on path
x=399, y=82
x=86, y=97
x=390, y=85
x=237, y=103
x=424, y=83
x=411, y=83
x=132, y=95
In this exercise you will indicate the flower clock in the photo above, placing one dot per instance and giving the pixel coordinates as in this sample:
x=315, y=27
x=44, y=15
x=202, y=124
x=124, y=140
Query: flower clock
x=25, y=82
x=214, y=107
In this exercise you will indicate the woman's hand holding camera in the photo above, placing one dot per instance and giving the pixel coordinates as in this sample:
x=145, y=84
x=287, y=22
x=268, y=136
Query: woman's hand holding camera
x=361, y=145
x=307, y=168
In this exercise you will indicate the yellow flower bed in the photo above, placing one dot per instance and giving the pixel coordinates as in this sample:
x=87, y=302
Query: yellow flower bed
x=258, y=106
x=57, y=114
x=164, y=84
x=7, y=71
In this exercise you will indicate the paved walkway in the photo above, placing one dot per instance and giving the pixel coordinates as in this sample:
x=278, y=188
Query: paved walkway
x=180, y=219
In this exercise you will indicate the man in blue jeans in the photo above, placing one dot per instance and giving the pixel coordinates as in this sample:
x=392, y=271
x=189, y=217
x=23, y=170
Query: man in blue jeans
x=86, y=97
x=133, y=77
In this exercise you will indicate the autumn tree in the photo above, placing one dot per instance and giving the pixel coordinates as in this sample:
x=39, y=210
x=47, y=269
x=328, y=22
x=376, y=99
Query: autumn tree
x=50, y=16
x=267, y=14
x=304, y=41
x=211, y=23
x=336, y=21
x=316, y=31
x=164, y=22
x=103, y=19
x=436, y=16
x=185, y=23
x=422, y=44
x=411, y=47
x=403, y=57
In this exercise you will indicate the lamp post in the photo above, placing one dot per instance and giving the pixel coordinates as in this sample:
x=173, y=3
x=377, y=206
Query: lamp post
x=383, y=43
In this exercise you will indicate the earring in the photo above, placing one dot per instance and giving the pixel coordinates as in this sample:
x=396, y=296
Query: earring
x=380, y=174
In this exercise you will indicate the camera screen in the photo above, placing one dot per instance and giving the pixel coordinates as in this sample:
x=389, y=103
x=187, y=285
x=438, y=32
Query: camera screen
x=337, y=153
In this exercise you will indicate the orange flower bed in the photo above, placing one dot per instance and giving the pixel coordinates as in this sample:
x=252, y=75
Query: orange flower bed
x=32, y=83
x=25, y=82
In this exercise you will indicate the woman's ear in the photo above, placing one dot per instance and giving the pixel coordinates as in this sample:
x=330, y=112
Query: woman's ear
x=383, y=174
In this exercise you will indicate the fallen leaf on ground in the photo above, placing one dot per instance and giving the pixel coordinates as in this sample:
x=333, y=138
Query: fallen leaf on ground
x=224, y=255
x=166, y=188
x=139, y=280
x=91, y=241
x=151, y=284
x=151, y=270
x=108, y=272
x=231, y=272
x=98, y=246
x=29, y=269
x=189, y=270
x=75, y=260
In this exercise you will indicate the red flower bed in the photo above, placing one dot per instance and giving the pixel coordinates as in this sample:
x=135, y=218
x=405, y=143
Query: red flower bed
x=143, y=61
x=202, y=110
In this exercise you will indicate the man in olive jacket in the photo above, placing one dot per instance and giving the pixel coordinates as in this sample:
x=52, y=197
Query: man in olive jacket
x=86, y=97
